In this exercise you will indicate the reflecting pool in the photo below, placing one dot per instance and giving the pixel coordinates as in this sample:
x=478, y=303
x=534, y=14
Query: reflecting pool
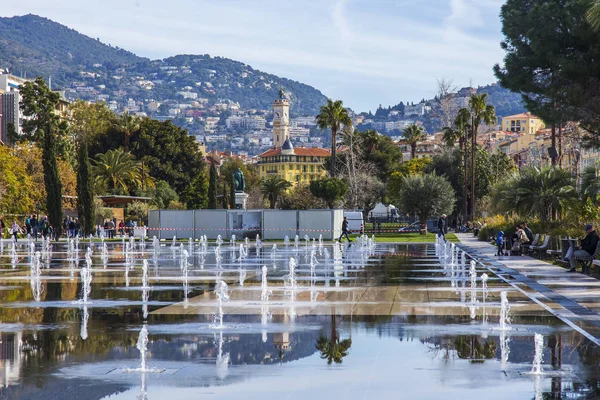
x=189, y=320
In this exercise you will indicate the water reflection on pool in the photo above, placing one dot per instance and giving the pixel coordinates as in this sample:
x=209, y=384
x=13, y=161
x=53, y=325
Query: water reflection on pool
x=384, y=321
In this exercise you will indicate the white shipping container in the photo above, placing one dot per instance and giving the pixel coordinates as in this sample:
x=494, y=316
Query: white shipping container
x=279, y=223
x=211, y=223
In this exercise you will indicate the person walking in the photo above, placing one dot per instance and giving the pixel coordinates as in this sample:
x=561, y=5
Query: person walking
x=28, y=225
x=587, y=248
x=35, y=226
x=78, y=228
x=442, y=227
x=344, y=230
x=15, y=230
x=45, y=227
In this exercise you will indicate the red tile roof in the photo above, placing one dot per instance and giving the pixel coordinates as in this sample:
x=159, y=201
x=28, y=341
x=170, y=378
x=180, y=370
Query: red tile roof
x=523, y=115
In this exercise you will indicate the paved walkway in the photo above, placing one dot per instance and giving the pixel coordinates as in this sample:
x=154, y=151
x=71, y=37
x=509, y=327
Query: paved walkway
x=577, y=295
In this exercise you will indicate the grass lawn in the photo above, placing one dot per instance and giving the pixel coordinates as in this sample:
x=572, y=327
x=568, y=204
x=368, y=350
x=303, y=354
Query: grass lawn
x=411, y=237
x=383, y=237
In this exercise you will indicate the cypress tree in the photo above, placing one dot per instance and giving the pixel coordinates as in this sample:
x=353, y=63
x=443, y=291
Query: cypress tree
x=43, y=125
x=231, y=194
x=85, y=192
x=224, y=201
x=52, y=180
x=212, y=188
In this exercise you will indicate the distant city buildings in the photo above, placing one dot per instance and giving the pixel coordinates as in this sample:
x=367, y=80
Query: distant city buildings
x=246, y=122
x=417, y=109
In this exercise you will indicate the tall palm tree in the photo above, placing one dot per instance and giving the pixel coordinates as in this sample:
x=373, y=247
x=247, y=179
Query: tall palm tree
x=414, y=134
x=127, y=124
x=460, y=132
x=332, y=348
x=272, y=187
x=593, y=14
x=480, y=112
x=120, y=171
x=333, y=116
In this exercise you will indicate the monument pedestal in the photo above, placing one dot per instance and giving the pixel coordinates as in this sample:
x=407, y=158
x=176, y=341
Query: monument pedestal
x=241, y=199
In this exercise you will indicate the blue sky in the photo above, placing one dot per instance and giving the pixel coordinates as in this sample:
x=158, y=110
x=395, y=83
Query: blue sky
x=365, y=52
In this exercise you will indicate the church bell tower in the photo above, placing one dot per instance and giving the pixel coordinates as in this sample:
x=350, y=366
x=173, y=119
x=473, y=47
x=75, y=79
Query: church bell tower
x=281, y=121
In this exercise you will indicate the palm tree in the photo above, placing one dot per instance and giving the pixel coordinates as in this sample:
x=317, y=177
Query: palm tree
x=272, y=187
x=480, y=112
x=590, y=184
x=127, y=124
x=332, y=348
x=593, y=15
x=370, y=139
x=333, y=116
x=414, y=134
x=119, y=170
x=460, y=133
x=543, y=193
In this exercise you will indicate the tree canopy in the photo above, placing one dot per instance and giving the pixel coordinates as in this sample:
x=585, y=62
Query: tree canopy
x=425, y=195
x=171, y=155
x=330, y=190
x=552, y=59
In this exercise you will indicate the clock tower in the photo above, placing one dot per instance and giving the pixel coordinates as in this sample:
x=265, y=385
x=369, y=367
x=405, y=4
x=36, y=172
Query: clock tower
x=281, y=121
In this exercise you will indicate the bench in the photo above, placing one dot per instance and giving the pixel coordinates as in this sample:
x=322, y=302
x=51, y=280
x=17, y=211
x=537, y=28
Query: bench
x=544, y=246
x=534, y=242
x=587, y=262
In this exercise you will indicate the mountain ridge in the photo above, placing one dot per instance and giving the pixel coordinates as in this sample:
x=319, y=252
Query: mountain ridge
x=32, y=45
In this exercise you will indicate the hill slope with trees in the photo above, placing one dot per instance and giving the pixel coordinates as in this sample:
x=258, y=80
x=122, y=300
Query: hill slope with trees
x=35, y=46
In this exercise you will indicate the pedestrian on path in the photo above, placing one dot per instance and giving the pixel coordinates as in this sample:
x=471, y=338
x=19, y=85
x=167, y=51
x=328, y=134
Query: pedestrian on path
x=28, y=224
x=442, y=227
x=35, y=225
x=587, y=248
x=16, y=229
x=500, y=243
x=344, y=230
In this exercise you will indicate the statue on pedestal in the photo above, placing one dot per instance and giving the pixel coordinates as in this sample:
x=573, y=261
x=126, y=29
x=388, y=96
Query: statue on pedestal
x=238, y=181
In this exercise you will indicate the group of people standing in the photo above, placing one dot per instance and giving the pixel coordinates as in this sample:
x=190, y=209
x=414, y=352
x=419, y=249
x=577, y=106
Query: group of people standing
x=72, y=227
x=33, y=227
x=110, y=228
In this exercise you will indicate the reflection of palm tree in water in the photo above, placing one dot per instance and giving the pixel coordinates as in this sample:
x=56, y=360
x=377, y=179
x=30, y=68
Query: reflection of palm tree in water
x=471, y=348
x=332, y=348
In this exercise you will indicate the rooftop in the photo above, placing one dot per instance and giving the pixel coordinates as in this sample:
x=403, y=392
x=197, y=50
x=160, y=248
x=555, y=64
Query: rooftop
x=299, y=151
x=522, y=115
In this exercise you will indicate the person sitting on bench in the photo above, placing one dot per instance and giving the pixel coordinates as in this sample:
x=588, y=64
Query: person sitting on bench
x=528, y=233
x=587, y=248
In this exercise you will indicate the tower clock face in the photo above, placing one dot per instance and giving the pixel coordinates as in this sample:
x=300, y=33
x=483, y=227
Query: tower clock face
x=277, y=114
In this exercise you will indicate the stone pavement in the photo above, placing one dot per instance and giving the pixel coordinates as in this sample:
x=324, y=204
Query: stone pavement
x=577, y=295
